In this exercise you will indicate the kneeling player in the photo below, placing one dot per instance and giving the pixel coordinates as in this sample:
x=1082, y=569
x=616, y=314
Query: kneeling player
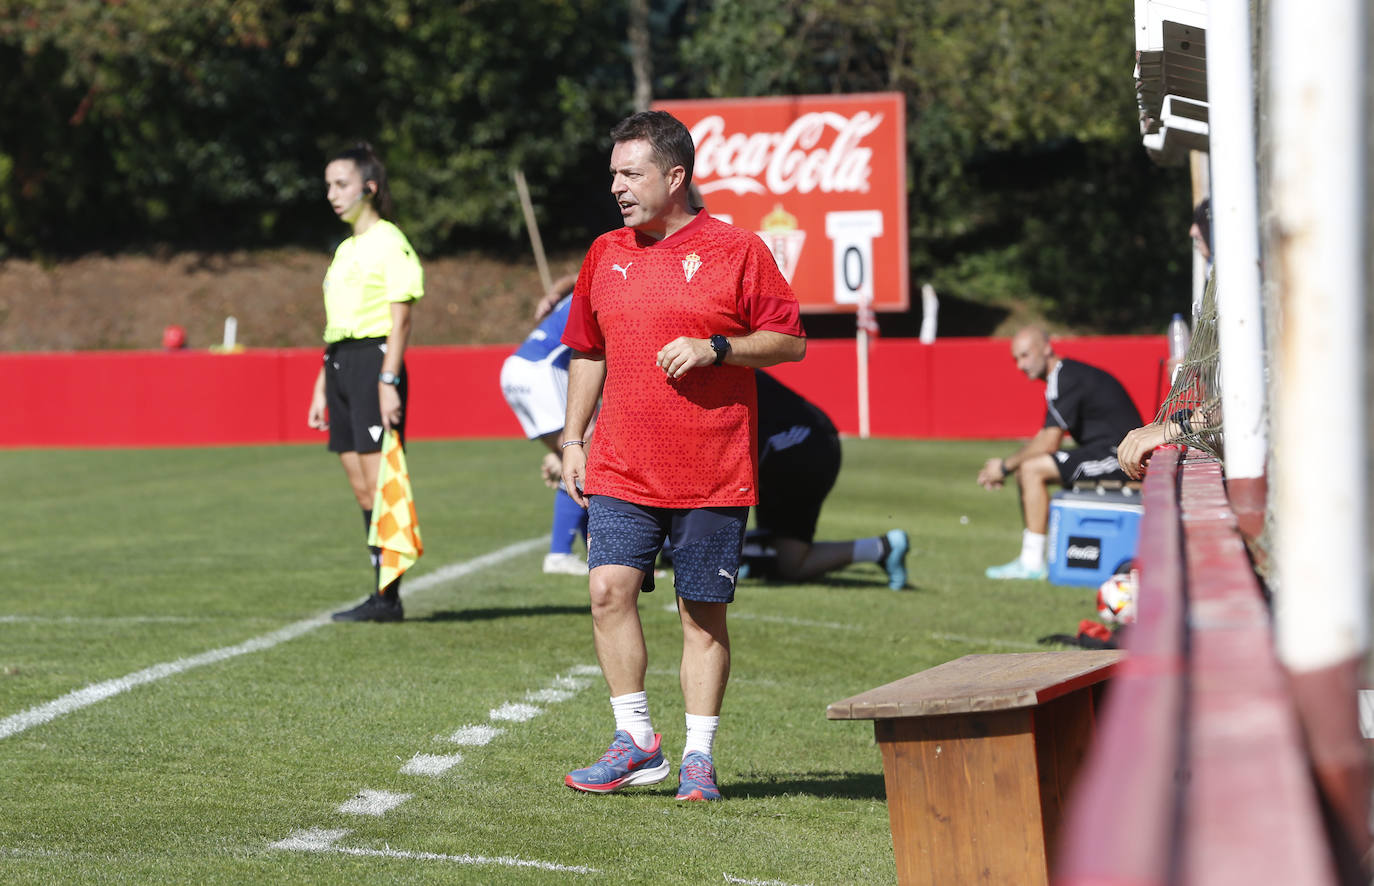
x=799, y=460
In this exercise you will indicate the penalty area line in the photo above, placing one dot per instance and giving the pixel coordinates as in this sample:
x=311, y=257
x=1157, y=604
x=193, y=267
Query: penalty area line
x=97, y=692
x=321, y=840
x=747, y=882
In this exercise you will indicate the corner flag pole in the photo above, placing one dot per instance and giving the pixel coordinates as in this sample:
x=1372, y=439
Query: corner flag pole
x=533, y=227
x=864, y=321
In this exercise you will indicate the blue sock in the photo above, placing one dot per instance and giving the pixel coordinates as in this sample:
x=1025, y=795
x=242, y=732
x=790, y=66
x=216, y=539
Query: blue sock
x=569, y=521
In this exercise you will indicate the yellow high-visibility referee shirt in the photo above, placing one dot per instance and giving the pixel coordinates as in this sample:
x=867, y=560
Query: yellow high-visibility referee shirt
x=369, y=272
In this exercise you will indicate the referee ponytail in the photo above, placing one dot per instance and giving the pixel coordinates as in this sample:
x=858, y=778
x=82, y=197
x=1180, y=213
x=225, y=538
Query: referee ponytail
x=370, y=166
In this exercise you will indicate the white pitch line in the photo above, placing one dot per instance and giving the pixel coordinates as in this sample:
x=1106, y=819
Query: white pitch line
x=515, y=712
x=89, y=695
x=73, y=701
x=475, y=735
x=431, y=764
x=747, y=882
x=373, y=803
x=311, y=840
x=452, y=571
x=102, y=619
x=320, y=840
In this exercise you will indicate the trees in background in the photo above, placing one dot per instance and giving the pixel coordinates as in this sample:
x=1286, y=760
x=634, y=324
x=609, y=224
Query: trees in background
x=206, y=123
x=209, y=121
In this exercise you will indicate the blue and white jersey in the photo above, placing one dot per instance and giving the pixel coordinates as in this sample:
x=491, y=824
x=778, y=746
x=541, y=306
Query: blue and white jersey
x=544, y=344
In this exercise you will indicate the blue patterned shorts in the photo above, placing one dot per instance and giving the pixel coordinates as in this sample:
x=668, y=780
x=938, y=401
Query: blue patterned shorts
x=706, y=544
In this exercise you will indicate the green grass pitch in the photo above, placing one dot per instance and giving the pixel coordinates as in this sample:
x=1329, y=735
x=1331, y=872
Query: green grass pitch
x=118, y=561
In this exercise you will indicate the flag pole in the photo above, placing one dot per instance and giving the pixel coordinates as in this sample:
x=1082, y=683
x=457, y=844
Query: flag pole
x=864, y=320
x=533, y=227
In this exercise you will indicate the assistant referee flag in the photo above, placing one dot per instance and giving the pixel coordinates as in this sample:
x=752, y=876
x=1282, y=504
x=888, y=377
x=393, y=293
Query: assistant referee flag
x=395, y=528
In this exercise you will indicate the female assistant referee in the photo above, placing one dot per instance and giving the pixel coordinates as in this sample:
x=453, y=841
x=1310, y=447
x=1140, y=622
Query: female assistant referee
x=369, y=291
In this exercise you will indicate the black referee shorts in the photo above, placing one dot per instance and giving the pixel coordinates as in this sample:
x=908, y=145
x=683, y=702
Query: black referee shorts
x=351, y=368
x=793, y=484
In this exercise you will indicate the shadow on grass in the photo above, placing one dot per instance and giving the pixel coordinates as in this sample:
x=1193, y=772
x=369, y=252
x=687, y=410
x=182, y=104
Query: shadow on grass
x=846, y=785
x=493, y=613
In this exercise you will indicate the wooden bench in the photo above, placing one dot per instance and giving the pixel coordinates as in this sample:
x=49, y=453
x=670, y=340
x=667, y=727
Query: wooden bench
x=978, y=754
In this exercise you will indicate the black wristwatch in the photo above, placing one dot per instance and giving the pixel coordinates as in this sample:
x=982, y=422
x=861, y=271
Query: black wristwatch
x=389, y=378
x=721, y=345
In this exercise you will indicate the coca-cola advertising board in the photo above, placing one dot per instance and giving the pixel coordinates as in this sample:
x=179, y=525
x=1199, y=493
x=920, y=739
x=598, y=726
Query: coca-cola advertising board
x=821, y=178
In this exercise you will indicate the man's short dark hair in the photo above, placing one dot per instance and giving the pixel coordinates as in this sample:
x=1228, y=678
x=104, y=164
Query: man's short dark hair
x=1202, y=217
x=668, y=139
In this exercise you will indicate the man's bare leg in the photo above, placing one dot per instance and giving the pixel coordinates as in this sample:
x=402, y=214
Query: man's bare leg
x=1034, y=478
x=617, y=631
x=705, y=656
x=634, y=757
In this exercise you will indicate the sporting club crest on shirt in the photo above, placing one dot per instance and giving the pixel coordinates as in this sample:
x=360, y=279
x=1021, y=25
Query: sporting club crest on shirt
x=690, y=265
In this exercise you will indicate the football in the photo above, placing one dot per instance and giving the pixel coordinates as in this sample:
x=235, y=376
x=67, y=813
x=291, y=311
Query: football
x=1116, y=599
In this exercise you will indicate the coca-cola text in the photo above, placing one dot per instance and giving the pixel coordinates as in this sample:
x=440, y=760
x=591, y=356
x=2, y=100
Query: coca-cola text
x=794, y=160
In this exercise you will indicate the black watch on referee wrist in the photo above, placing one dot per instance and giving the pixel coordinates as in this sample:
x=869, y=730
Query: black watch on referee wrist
x=389, y=378
x=721, y=345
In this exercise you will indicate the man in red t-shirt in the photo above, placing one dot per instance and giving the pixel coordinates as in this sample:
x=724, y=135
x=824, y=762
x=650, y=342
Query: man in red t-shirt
x=670, y=315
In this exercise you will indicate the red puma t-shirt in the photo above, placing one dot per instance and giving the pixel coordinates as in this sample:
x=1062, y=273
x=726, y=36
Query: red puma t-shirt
x=687, y=442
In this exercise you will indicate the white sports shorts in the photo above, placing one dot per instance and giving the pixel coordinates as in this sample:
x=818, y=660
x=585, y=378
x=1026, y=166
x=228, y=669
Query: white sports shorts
x=537, y=394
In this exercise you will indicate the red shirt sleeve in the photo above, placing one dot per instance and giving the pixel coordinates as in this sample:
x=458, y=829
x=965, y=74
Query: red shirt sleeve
x=766, y=301
x=582, y=332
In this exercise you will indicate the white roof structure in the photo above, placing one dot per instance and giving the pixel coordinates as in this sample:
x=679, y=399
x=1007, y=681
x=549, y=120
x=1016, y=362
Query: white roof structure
x=1171, y=77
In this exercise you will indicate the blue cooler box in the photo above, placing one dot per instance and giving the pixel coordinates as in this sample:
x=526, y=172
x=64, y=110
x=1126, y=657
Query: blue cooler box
x=1092, y=535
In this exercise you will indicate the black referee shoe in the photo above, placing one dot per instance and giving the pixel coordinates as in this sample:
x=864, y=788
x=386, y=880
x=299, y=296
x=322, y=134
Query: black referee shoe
x=374, y=608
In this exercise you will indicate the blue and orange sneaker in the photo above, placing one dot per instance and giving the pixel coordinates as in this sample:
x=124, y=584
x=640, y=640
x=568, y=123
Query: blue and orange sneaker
x=894, y=564
x=624, y=763
x=696, y=778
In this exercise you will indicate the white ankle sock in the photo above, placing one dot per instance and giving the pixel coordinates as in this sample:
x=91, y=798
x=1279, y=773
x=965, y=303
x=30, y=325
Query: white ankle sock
x=701, y=734
x=868, y=550
x=1032, y=549
x=632, y=715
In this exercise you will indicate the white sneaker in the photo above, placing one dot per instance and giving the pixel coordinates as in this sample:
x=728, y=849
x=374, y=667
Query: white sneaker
x=1016, y=569
x=564, y=564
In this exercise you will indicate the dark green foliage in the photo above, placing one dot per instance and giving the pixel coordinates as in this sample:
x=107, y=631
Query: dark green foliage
x=209, y=123
x=206, y=124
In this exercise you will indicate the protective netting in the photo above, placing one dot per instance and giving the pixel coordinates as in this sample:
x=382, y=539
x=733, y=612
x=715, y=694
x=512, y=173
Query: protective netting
x=1192, y=410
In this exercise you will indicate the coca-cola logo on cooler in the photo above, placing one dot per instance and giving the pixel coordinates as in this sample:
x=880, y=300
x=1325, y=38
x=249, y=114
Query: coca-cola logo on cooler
x=798, y=159
x=1083, y=552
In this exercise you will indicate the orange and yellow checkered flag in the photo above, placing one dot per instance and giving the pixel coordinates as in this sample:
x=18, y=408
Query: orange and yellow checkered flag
x=395, y=528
